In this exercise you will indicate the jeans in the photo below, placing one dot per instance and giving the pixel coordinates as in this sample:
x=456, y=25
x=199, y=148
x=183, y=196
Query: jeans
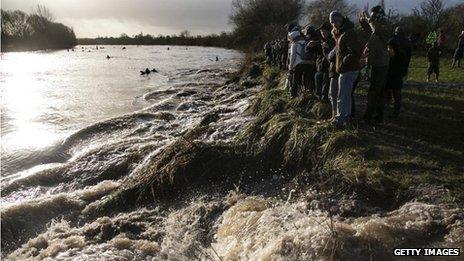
x=333, y=92
x=344, y=101
x=322, y=81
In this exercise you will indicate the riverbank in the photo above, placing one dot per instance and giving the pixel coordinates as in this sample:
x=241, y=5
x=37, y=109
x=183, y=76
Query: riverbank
x=288, y=185
x=32, y=48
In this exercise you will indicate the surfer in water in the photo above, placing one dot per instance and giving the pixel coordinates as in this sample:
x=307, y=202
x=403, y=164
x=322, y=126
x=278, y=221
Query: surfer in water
x=147, y=71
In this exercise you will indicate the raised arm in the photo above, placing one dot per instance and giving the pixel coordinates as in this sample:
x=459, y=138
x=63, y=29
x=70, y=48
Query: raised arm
x=364, y=21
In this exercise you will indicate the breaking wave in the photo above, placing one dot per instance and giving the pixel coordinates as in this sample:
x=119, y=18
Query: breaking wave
x=56, y=211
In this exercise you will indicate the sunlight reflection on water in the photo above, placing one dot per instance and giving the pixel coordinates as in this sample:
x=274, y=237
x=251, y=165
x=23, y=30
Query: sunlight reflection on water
x=48, y=95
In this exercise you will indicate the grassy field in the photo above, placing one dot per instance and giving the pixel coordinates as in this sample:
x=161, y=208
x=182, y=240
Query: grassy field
x=424, y=146
x=418, y=71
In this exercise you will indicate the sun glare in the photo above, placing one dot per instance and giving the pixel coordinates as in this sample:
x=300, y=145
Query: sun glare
x=24, y=98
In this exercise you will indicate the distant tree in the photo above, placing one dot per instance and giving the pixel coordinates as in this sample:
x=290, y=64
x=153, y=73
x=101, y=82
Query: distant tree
x=14, y=24
x=456, y=15
x=21, y=31
x=222, y=40
x=258, y=21
x=433, y=12
x=428, y=18
x=454, y=25
x=185, y=34
x=318, y=11
x=44, y=13
x=415, y=27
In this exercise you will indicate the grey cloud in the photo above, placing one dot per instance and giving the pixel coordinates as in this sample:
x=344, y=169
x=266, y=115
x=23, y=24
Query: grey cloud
x=167, y=13
x=155, y=16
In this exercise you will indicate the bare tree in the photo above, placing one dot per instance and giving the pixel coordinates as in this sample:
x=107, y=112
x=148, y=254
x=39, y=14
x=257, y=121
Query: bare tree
x=318, y=10
x=455, y=15
x=258, y=21
x=14, y=23
x=21, y=31
x=433, y=12
x=44, y=13
x=185, y=34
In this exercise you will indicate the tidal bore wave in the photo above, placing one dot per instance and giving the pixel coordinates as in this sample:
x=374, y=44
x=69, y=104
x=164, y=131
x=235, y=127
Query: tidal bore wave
x=179, y=181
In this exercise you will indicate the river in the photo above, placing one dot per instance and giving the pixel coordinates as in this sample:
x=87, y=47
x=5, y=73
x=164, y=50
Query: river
x=48, y=95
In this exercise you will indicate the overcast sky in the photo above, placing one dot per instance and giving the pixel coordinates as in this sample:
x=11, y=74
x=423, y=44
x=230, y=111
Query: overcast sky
x=91, y=18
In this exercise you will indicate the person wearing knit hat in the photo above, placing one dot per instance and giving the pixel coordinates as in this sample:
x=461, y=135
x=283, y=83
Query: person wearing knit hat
x=322, y=77
x=396, y=72
x=378, y=60
x=296, y=62
x=377, y=10
x=291, y=27
x=347, y=65
x=403, y=43
x=311, y=52
x=336, y=19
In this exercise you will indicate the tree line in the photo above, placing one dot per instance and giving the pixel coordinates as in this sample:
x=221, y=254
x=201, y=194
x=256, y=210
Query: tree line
x=259, y=21
x=184, y=38
x=35, y=31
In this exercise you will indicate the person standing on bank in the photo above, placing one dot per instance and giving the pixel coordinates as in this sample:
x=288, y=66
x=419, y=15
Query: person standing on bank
x=404, y=44
x=441, y=41
x=459, y=52
x=433, y=58
x=347, y=63
x=396, y=72
x=378, y=60
x=322, y=78
x=309, y=56
x=296, y=65
x=333, y=88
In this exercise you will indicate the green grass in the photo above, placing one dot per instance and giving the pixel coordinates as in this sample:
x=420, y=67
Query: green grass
x=418, y=71
x=424, y=145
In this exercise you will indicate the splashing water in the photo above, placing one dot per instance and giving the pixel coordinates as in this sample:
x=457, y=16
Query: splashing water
x=41, y=205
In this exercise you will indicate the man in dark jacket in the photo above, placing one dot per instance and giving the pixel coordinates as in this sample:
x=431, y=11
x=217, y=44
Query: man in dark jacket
x=433, y=57
x=396, y=72
x=378, y=60
x=310, y=56
x=403, y=43
x=459, y=52
x=347, y=63
x=321, y=78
